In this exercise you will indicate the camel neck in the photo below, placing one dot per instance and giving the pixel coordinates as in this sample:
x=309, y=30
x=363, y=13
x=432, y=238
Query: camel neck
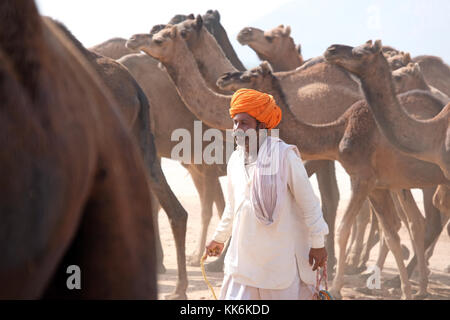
x=211, y=60
x=313, y=141
x=286, y=62
x=206, y=105
x=21, y=38
x=403, y=131
x=222, y=39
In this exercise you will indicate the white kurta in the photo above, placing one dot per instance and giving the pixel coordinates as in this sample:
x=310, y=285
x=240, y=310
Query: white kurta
x=273, y=256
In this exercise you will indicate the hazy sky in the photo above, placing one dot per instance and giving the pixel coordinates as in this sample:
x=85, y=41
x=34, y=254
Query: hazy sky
x=416, y=26
x=94, y=21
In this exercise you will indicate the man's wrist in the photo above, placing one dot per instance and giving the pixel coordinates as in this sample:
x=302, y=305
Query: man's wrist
x=317, y=242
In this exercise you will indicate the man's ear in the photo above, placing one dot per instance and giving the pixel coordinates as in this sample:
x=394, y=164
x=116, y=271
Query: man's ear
x=262, y=125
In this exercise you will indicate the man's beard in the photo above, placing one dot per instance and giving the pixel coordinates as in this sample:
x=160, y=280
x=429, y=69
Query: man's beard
x=255, y=135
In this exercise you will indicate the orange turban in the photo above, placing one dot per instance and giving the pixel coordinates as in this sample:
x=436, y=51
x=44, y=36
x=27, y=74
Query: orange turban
x=259, y=105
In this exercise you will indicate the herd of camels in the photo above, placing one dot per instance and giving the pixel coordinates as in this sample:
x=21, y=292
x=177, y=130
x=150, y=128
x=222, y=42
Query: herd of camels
x=83, y=132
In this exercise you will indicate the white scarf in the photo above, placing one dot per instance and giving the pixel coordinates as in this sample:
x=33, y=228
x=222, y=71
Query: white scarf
x=269, y=178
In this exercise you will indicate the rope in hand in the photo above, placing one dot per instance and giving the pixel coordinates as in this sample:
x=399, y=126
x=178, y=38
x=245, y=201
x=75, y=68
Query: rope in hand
x=322, y=294
x=202, y=264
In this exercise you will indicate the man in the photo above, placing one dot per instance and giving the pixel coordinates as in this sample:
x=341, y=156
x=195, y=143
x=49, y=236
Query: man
x=272, y=213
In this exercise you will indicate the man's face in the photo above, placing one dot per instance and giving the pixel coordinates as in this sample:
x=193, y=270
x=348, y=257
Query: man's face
x=244, y=122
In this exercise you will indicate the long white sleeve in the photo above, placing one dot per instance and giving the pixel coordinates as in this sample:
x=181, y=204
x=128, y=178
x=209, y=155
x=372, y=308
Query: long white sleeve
x=304, y=195
x=225, y=227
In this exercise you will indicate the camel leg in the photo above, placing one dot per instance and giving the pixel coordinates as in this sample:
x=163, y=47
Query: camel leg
x=386, y=213
x=372, y=239
x=416, y=224
x=159, y=249
x=329, y=194
x=354, y=256
x=433, y=229
x=161, y=189
x=360, y=189
x=203, y=182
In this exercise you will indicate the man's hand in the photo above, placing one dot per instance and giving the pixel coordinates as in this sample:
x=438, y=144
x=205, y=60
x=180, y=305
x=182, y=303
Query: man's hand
x=318, y=256
x=214, y=249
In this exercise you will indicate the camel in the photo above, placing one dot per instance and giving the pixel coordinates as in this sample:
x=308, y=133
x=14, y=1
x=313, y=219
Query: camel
x=164, y=96
x=133, y=104
x=410, y=77
x=405, y=79
x=166, y=46
x=74, y=187
x=427, y=140
x=112, y=48
x=398, y=59
x=435, y=71
x=275, y=46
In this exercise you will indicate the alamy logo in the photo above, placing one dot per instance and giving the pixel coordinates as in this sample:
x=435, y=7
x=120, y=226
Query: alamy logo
x=74, y=280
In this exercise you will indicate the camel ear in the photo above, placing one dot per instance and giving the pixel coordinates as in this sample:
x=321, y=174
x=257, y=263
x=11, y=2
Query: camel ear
x=173, y=32
x=416, y=68
x=199, y=22
x=299, y=48
x=408, y=57
x=191, y=16
x=266, y=68
x=369, y=42
x=217, y=15
x=377, y=46
x=287, y=31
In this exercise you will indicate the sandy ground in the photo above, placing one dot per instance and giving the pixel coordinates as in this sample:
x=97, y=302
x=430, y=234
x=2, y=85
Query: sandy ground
x=355, y=287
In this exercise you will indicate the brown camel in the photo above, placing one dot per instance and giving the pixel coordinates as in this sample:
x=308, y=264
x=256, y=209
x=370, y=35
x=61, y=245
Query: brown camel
x=398, y=59
x=74, y=187
x=112, y=48
x=405, y=79
x=435, y=71
x=269, y=83
x=134, y=106
x=411, y=77
x=427, y=140
x=275, y=46
x=164, y=96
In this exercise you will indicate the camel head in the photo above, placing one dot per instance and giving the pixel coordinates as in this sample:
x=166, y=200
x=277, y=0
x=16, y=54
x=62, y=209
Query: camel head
x=399, y=60
x=268, y=44
x=138, y=41
x=157, y=28
x=180, y=18
x=257, y=78
x=159, y=45
x=211, y=21
x=408, y=78
x=249, y=35
x=356, y=60
x=190, y=29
